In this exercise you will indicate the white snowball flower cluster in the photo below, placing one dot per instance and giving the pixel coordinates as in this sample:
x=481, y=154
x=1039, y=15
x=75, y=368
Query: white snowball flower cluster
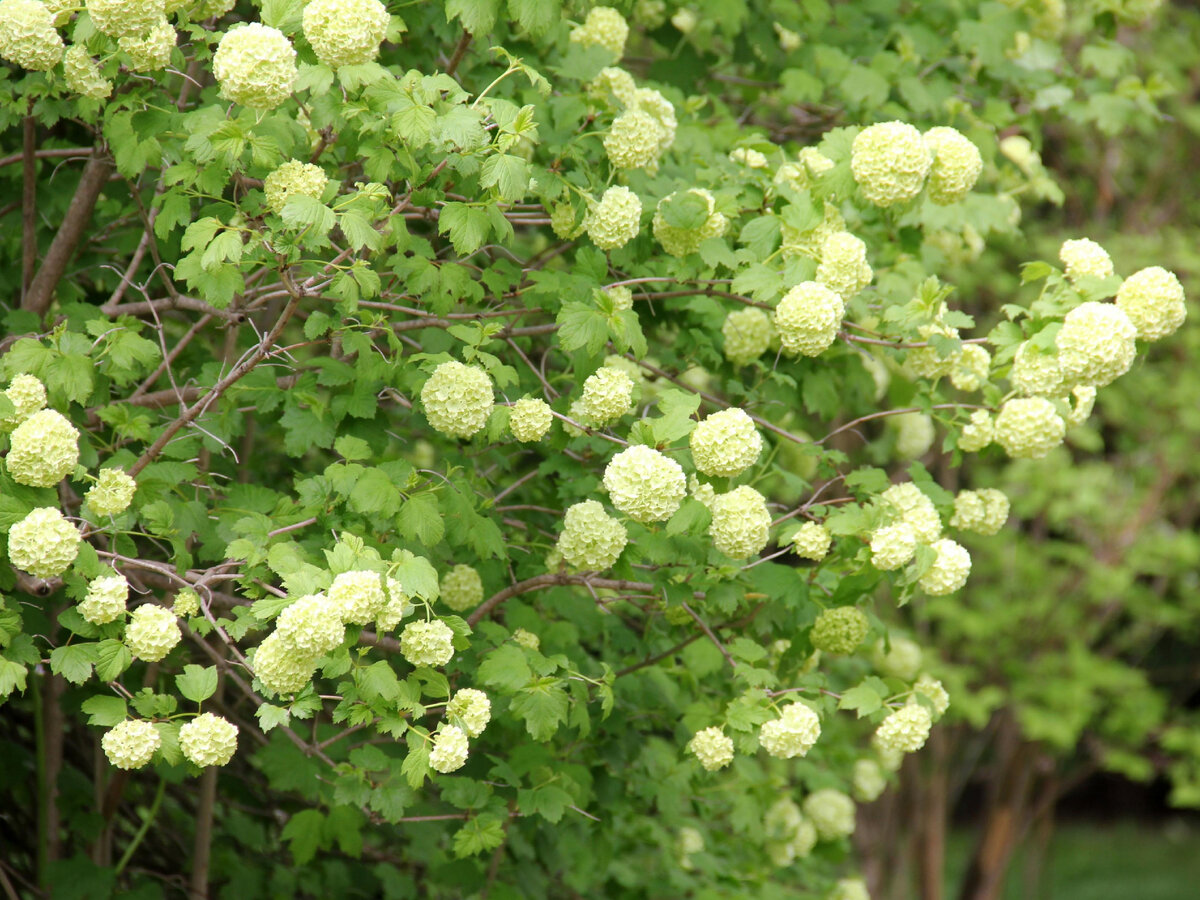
x=461, y=588
x=472, y=708
x=280, y=667
x=984, y=511
x=971, y=368
x=616, y=81
x=793, y=734
x=832, y=812
x=893, y=546
x=682, y=241
x=112, y=493
x=704, y=493
x=712, y=748
x=644, y=484
x=949, y=570
x=1095, y=344
x=1084, y=258
x=1035, y=372
x=915, y=508
x=808, y=318
x=1153, y=300
x=615, y=220
x=890, y=161
x=839, y=630
x=621, y=298
x=527, y=639
x=43, y=450
x=131, y=744
x=906, y=730
x=740, y=522
x=604, y=27
x=345, y=32
x=357, y=596
x=747, y=334
x=151, y=51
x=208, y=740
x=118, y=18
x=187, y=603
x=399, y=605
x=933, y=691
x=43, y=543
x=27, y=35
x=956, y=165
x=1029, y=427
x=868, y=780
x=27, y=395
x=928, y=361
x=427, y=643
x=313, y=626
x=591, y=539
x=450, y=749
x=255, y=66
x=152, y=632
x=291, y=179
x=843, y=267
x=607, y=395
x=633, y=140
x=726, y=443
x=789, y=835
x=83, y=76
x=457, y=399
x=915, y=434
x=977, y=433
x=899, y=658
x=105, y=599
x=812, y=541
x=753, y=159
x=529, y=419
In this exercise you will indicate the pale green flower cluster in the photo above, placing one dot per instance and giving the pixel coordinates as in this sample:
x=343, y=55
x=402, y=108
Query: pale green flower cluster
x=187, y=603
x=280, y=667
x=808, y=242
x=893, y=546
x=607, y=395
x=1083, y=258
x=949, y=570
x=890, y=161
x=644, y=484
x=712, y=748
x=43, y=543
x=427, y=643
x=152, y=632
x=740, y=522
x=82, y=74
x=682, y=241
x=747, y=334
x=812, y=541
x=43, y=450
x=312, y=626
x=357, y=597
x=27, y=35
x=131, y=744
x=112, y=493
x=122, y=18
x=1095, y=344
x=1036, y=373
x=905, y=730
x=808, y=318
x=591, y=539
x=843, y=267
x=726, y=443
x=1029, y=427
x=839, y=630
x=789, y=835
x=450, y=749
x=984, y=511
x=868, y=780
x=105, y=599
x=753, y=159
x=615, y=220
x=1153, y=300
x=28, y=395
x=461, y=588
x=793, y=734
x=255, y=65
x=979, y=431
x=208, y=740
x=291, y=179
x=971, y=368
x=956, y=165
x=150, y=51
x=472, y=708
x=604, y=27
x=529, y=419
x=914, y=507
x=915, y=434
x=849, y=889
x=933, y=691
x=345, y=32
x=899, y=658
x=457, y=399
x=832, y=812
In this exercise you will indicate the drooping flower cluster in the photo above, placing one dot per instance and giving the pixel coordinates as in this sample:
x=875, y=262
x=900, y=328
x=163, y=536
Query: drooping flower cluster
x=291, y=179
x=591, y=540
x=131, y=744
x=208, y=740
x=255, y=65
x=843, y=267
x=747, y=334
x=43, y=543
x=890, y=161
x=43, y=449
x=740, y=522
x=152, y=632
x=808, y=318
x=457, y=399
x=793, y=734
x=956, y=165
x=615, y=220
x=604, y=27
x=984, y=511
x=112, y=493
x=607, y=395
x=472, y=708
x=427, y=643
x=105, y=599
x=461, y=588
x=832, y=812
x=1153, y=300
x=345, y=32
x=812, y=541
x=27, y=35
x=1029, y=427
x=679, y=241
x=839, y=630
x=529, y=419
x=712, y=748
x=949, y=570
x=450, y=749
x=644, y=484
x=726, y=443
x=906, y=729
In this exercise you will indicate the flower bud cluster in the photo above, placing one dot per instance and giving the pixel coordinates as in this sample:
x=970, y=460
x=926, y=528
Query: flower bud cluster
x=27, y=35
x=890, y=161
x=843, y=267
x=740, y=522
x=644, y=484
x=839, y=630
x=808, y=318
x=682, y=241
x=949, y=570
x=607, y=395
x=604, y=27
x=112, y=493
x=105, y=599
x=1029, y=427
x=461, y=588
x=793, y=734
x=345, y=32
x=956, y=165
x=747, y=334
x=812, y=541
x=712, y=748
x=43, y=450
x=255, y=66
x=43, y=543
x=726, y=443
x=529, y=419
x=984, y=511
x=187, y=604
x=152, y=632
x=591, y=539
x=291, y=179
x=832, y=812
x=615, y=220
x=131, y=744
x=208, y=740
x=472, y=708
x=753, y=159
x=457, y=399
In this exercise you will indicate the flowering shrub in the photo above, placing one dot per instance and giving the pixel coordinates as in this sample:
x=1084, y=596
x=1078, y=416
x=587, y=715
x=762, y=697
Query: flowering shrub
x=282, y=489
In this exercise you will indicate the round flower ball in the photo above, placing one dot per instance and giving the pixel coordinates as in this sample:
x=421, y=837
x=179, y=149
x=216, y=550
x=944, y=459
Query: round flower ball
x=28, y=36
x=345, y=32
x=971, y=368
x=151, y=51
x=457, y=399
x=832, y=812
x=187, y=603
x=808, y=318
x=152, y=632
x=979, y=431
x=644, y=484
x=1029, y=427
x=1153, y=300
x=740, y=522
x=726, y=443
x=282, y=668
x=591, y=539
x=607, y=395
x=892, y=546
x=427, y=643
x=956, y=165
x=793, y=734
x=118, y=18
x=529, y=419
x=812, y=541
x=131, y=744
x=868, y=780
x=905, y=730
x=43, y=450
x=27, y=395
x=112, y=493
x=83, y=75
x=935, y=692
x=472, y=708
x=604, y=27
x=614, y=221
x=1095, y=344
x=291, y=179
x=357, y=596
x=1036, y=373
x=43, y=543
x=1085, y=258
x=680, y=242
x=461, y=588
x=899, y=658
x=255, y=66
x=313, y=625
x=632, y=141
x=208, y=740
x=712, y=748
x=916, y=509
x=105, y=599
x=450, y=749
x=849, y=889
x=839, y=630
x=949, y=570
x=747, y=334
x=890, y=161
x=844, y=268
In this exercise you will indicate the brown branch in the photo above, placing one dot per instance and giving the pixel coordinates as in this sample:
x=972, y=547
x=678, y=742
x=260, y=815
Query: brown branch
x=29, y=202
x=460, y=51
x=202, y=845
x=78, y=216
x=146, y=307
x=57, y=153
x=709, y=632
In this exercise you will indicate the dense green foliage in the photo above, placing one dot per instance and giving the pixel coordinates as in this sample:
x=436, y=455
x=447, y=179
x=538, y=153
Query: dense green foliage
x=308, y=318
